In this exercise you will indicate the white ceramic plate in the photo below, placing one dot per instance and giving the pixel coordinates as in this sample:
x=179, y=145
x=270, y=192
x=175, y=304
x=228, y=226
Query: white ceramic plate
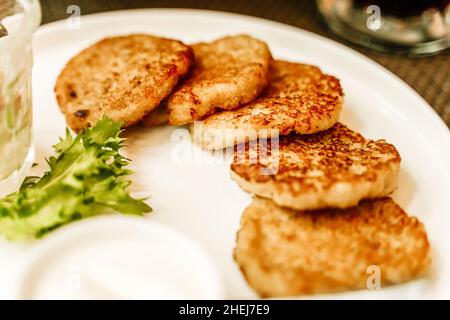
x=198, y=197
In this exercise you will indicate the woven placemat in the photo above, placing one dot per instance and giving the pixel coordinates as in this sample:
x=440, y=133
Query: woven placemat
x=429, y=76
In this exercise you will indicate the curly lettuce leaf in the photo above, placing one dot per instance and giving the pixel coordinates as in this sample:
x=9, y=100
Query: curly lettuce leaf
x=87, y=177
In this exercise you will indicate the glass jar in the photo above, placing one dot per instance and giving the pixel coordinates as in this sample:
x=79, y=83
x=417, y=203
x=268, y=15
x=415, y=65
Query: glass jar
x=18, y=21
x=419, y=27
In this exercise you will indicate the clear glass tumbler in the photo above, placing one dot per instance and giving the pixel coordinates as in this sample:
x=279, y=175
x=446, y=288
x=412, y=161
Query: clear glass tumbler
x=18, y=21
x=419, y=27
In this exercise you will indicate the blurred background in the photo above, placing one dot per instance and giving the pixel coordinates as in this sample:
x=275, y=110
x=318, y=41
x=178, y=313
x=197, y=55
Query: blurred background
x=428, y=75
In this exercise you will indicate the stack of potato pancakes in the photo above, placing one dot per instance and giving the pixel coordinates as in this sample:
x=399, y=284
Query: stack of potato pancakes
x=321, y=219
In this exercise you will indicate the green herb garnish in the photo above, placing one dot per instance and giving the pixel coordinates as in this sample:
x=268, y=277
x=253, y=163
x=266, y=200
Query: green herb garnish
x=87, y=177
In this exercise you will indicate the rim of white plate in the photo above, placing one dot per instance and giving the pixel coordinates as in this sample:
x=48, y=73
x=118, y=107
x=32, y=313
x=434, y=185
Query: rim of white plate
x=290, y=31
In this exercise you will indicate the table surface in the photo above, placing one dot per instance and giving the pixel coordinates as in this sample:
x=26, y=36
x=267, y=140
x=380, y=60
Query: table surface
x=429, y=76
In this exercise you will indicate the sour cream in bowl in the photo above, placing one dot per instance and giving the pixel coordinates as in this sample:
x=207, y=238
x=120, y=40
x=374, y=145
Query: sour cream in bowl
x=118, y=257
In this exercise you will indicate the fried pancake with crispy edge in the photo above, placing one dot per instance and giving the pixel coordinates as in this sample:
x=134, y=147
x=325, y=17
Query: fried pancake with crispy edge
x=122, y=77
x=333, y=168
x=227, y=73
x=282, y=252
x=300, y=98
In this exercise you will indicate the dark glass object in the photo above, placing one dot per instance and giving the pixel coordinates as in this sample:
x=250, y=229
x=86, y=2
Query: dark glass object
x=417, y=27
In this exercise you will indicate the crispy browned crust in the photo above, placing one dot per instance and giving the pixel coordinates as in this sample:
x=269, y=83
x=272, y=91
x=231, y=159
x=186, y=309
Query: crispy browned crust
x=228, y=73
x=122, y=77
x=300, y=98
x=282, y=252
x=333, y=168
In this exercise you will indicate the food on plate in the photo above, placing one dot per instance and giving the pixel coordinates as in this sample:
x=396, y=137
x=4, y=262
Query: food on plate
x=227, y=73
x=320, y=220
x=87, y=177
x=300, y=98
x=123, y=77
x=334, y=168
x=158, y=117
x=283, y=252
